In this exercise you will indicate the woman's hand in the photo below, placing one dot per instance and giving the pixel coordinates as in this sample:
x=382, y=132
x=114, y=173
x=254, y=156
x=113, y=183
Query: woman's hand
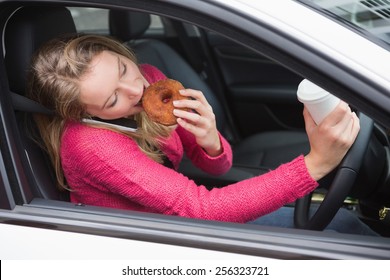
x=330, y=140
x=200, y=122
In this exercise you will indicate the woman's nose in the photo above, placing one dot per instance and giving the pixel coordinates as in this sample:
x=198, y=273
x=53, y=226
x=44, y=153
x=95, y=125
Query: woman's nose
x=132, y=89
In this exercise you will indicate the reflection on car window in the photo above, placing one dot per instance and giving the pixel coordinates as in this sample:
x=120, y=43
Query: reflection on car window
x=95, y=20
x=371, y=15
x=90, y=19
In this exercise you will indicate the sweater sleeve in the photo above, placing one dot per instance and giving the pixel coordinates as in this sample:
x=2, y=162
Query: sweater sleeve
x=113, y=162
x=213, y=165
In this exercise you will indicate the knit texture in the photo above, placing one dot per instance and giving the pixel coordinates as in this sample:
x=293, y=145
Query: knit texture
x=105, y=168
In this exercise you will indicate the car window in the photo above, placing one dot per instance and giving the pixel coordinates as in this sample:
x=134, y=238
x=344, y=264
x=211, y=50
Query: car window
x=372, y=16
x=95, y=20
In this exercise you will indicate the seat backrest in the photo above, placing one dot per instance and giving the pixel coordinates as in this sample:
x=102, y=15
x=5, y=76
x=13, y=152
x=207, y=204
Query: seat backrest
x=128, y=26
x=25, y=31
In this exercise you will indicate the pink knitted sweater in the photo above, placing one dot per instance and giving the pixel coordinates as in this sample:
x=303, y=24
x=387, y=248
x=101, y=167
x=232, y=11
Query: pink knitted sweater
x=105, y=168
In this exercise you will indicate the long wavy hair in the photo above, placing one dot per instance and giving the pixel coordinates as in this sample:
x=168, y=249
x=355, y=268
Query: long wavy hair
x=53, y=81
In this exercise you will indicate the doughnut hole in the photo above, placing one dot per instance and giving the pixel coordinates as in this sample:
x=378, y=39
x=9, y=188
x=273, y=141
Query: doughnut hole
x=166, y=97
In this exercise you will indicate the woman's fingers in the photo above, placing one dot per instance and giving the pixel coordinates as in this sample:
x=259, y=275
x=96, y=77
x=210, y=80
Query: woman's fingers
x=343, y=124
x=338, y=114
x=200, y=120
x=201, y=114
x=197, y=102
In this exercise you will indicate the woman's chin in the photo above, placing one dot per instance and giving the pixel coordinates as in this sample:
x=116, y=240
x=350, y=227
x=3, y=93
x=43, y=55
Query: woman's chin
x=136, y=110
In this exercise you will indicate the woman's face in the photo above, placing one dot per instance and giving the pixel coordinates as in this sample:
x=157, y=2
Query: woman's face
x=113, y=87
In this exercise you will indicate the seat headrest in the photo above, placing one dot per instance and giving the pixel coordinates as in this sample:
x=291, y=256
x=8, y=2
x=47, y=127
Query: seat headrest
x=26, y=30
x=127, y=25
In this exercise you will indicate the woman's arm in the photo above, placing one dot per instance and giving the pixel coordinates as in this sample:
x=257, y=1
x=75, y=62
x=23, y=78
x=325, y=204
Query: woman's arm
x=105, y=159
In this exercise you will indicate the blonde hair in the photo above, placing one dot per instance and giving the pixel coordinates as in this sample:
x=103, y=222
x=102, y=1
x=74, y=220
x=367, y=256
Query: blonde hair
x=53, y=81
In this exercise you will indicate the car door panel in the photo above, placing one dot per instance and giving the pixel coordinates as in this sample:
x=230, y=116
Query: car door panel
x=253, y=81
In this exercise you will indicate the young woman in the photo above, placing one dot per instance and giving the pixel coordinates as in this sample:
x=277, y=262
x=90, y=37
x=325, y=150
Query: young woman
x=95, y=76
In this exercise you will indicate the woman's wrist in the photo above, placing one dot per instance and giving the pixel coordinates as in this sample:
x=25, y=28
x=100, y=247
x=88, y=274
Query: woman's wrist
x=214, y=151
x=316, y=169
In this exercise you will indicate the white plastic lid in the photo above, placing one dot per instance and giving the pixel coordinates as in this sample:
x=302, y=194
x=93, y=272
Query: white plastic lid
x=307, y=91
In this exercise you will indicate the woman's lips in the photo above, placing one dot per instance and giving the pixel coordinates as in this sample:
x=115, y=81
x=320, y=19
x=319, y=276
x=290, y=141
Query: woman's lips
x=140, y=101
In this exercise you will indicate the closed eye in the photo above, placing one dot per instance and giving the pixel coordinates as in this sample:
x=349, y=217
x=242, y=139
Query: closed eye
x=124, y=71
x=112, y=104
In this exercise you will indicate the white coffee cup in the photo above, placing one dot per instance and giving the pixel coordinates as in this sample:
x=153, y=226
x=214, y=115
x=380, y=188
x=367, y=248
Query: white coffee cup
x=318, y=101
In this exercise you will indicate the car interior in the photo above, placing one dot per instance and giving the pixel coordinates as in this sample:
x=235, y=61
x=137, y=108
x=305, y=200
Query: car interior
x=255, y=149
x=266, y=150
x=252, y=155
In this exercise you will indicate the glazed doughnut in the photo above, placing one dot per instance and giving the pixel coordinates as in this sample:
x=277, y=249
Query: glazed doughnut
x=158, y=98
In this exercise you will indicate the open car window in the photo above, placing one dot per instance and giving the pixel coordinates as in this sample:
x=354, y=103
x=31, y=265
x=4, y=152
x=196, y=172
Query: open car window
x=259, y=82
x=95, y=20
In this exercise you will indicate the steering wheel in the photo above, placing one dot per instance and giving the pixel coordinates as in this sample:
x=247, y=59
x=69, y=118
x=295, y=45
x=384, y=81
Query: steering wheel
x=345, y=177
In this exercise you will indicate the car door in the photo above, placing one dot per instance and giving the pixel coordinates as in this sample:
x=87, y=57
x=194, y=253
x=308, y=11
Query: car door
x=260, y=92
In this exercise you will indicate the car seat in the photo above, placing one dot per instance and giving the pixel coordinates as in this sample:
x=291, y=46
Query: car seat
x=26, y=29
x=262, y=151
